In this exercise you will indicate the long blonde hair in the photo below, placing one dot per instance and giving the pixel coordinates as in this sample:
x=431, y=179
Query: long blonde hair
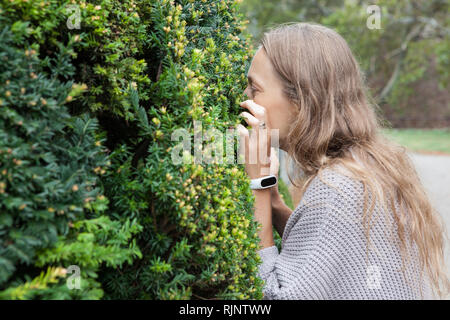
x=337, y=124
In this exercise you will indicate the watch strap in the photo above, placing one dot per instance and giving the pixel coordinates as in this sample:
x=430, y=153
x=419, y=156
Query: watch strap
x=263, y=182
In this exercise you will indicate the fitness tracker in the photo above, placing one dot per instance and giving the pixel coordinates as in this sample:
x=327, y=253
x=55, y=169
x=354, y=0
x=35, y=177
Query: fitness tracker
x=263, y=182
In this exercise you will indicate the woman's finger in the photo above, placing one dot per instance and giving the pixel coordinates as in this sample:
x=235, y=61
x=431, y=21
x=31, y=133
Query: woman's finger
x=248, y=145
x=264, y=148
x=251, y=120
x=257, y=110
x=243, y=144
x=253, y=145
x=258, y=115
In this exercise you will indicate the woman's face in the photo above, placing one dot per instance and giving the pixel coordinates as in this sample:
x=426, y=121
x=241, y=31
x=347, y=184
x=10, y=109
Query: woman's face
x=265, y=89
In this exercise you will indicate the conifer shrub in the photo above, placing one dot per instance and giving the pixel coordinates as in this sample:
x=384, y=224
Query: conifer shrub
x=51, y=205
x=143, y=69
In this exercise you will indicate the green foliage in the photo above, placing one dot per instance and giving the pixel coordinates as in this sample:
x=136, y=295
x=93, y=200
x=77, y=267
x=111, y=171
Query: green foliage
x=48, y=180
x=442, y=52
x=266, y=14
x=94, y=243
x=421, y=140
x=199, y=237
x=38, y=284
x=414, y=66
x=152, y=229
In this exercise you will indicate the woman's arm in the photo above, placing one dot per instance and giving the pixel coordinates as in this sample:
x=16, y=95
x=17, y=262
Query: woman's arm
x=308, y=264
x=263, y=215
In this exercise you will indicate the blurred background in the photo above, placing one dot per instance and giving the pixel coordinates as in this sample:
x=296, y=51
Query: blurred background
x=403, y=48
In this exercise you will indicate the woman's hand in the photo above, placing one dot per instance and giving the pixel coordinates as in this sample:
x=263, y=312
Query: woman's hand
x=255, y=145
x=249, y=141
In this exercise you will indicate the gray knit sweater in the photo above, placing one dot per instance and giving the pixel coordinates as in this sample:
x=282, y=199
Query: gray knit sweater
x=323, y=252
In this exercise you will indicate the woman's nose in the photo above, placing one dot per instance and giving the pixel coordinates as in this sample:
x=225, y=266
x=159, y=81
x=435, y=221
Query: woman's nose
x=246, y=94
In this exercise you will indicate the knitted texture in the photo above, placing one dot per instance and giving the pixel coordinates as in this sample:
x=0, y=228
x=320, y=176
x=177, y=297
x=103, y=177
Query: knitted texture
x=324, y=249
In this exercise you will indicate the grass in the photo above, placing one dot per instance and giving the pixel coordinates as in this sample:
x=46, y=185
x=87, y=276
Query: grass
x=422, y=140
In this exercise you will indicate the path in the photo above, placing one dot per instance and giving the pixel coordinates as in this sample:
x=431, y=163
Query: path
x=434, y=172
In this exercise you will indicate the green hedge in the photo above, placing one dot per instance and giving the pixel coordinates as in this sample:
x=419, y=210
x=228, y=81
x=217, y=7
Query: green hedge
x=120, y=85
x=51, y=204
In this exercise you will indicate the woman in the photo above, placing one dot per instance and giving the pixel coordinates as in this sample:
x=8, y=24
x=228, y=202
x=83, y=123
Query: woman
x=364, y=228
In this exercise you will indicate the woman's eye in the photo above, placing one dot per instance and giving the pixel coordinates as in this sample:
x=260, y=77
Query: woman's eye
x=252, y=91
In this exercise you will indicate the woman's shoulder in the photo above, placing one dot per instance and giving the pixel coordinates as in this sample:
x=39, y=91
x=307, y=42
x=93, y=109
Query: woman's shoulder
x=328, y=192
x=334, y=184
x=331, y=205
x=330, y=196
x=343, y=201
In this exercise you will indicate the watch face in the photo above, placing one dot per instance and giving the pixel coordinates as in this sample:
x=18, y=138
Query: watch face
x=267, y=182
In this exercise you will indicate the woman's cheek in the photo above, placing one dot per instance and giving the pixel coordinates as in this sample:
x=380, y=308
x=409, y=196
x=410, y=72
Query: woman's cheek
x=269, y=116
